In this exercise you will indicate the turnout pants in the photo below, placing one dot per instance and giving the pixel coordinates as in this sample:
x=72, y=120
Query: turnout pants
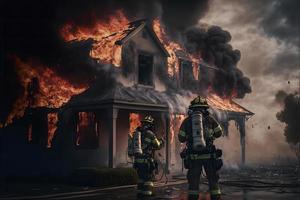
x=144, y=170
x=193, y=177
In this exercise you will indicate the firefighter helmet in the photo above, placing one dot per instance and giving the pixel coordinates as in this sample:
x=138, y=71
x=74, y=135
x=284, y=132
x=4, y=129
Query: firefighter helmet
x=148, y=119
x=199, y=102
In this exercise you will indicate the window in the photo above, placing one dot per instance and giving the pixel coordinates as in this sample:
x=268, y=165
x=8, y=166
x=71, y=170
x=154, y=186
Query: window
x=186, y=73
x=145, y=69
x=87, y=131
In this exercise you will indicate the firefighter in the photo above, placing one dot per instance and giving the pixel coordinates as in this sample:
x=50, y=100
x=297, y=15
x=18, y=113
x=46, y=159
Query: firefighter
x=198, y=131
x=144, y=145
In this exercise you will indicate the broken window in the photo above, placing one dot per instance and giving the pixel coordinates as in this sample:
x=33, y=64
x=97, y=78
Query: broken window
x=145, y=69
x=87, y=131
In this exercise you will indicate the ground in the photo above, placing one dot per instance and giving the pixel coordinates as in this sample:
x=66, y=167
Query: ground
x=272, y=182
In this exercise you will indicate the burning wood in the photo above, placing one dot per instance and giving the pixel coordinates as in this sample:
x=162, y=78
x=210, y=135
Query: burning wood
x=105, y=34
x=225, y=104
x=172, y=47
x=53, y=91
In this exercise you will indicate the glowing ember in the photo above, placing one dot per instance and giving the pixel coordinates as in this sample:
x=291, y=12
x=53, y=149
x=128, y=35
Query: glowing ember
x=52, y=126
x=134, y=122
x=105, y=34
x=50, y=90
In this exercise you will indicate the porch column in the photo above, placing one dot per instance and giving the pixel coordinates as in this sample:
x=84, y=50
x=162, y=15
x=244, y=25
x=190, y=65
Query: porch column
x=225, y=128
x=241, y=124
x=168, y=147
x=112, y=126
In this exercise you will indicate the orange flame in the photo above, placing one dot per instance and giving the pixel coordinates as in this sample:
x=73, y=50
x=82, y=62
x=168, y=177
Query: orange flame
x=52, y=126
x=105, y=34
x=134, y=122
x=175, y=122
x=53, y=91
x=225, y=104
x=172, y=47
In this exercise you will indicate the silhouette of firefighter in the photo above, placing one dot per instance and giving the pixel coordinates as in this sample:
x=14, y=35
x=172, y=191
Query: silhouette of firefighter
x=142, y=146
x=198, y=131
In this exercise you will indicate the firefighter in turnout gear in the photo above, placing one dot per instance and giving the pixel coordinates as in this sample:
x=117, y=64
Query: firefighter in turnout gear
x=198, y=131
x=144, y=145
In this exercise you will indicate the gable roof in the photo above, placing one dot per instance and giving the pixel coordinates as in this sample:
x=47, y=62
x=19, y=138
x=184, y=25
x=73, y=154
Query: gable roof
x=137, y=26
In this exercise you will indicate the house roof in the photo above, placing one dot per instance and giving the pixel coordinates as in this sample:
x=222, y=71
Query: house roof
x=148, y=97
x=116, y=93
x=137, y=26
x=227, y=105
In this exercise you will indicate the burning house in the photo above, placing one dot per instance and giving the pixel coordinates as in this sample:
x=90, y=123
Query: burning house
x=145, y=74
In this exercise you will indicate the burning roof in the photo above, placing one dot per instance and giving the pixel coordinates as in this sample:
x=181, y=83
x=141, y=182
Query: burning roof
x=106, y=47
x=226, y=105
x=149, y=96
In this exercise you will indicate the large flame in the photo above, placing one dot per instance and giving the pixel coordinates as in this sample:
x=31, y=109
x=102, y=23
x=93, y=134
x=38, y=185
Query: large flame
x=52, y=91
x=134, y=122
x=105, y=34
x=173, y=47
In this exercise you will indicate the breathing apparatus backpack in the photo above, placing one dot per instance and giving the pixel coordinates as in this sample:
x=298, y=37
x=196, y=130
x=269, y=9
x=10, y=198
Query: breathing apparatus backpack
x=197, y=131
x=130, y=146
x=137, y=143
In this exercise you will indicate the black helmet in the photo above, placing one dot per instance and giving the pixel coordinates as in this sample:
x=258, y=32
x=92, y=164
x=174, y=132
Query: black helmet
x=199, y=102
x=148, y=119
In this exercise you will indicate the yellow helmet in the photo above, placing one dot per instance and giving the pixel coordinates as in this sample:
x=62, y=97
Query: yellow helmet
x=199, y=102
x=148, y=119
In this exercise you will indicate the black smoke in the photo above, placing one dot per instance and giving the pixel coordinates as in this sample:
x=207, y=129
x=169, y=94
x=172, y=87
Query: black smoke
x=290, y=115
x=213, y=45
x=280, y=97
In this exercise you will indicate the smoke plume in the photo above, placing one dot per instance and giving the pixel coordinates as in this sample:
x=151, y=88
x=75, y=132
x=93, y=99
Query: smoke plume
x=290, y=115
x=213, y=45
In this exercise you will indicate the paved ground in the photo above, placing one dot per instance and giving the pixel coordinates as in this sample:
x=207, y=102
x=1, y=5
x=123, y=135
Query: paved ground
x=275, y=182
